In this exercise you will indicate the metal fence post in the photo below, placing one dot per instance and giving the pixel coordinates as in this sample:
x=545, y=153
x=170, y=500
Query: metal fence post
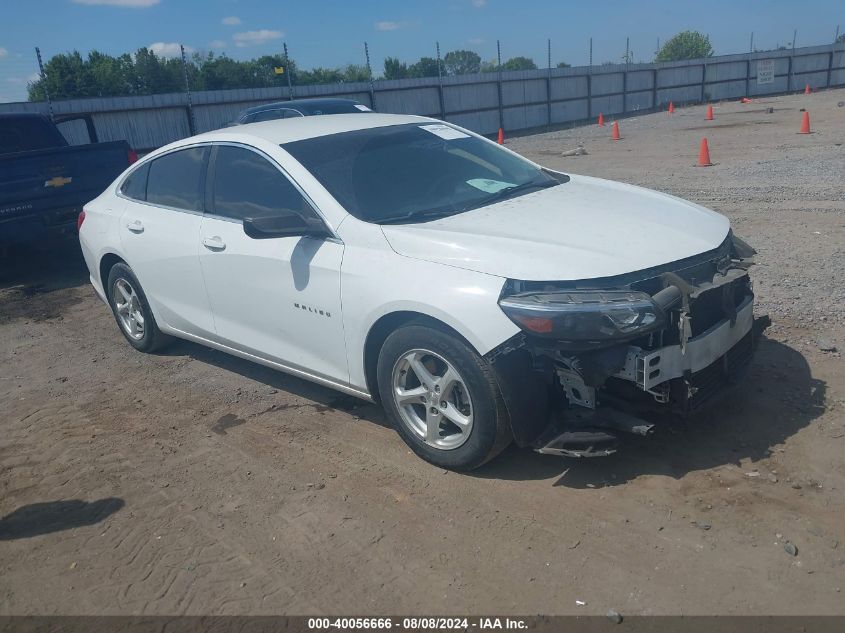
x=830, y=64
x=549, y=84
x=789, y=76
x=44, y=82
x=703, y=81
x=654, y=88
x=287, y=72
x=440, y=84
x=370, y=72
x=192, y=126
x=748, y=76
x=499, y=84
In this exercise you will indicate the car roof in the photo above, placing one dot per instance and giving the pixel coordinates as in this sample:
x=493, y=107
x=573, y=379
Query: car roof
x=304, y=105
x=282, y=131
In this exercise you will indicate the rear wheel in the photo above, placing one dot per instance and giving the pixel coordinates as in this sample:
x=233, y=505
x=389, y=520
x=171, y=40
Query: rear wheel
x=442, y=397
x=132, y=311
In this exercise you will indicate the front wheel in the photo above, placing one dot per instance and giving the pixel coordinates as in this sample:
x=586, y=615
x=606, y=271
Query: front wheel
x=442, y=397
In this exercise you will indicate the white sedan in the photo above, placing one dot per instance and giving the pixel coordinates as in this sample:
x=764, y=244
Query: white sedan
x=481, y=298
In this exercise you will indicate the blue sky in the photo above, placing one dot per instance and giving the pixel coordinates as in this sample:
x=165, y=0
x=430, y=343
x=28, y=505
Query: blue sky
x=331, y=33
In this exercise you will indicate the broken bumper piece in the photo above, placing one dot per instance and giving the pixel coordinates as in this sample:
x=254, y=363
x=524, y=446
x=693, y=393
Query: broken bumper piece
x=669, y=380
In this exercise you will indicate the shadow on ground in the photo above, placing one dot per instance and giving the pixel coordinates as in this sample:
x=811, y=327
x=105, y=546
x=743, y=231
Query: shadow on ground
x=777, y=399
x=323, y=399
x=54, y=516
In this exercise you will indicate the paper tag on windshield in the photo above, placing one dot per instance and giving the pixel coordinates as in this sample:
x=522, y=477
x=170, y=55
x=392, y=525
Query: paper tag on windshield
x=362, y=107
x=444, y=131
x=489, y=186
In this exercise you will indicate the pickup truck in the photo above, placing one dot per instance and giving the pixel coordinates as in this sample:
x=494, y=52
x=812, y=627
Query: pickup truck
x=44, y=181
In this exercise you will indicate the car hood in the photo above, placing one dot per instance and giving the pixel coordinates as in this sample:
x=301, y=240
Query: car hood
x=582, y=229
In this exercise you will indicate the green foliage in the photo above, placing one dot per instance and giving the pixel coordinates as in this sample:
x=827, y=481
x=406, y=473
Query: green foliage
x=685, y=45
x=462, y=62
x=394, y=69
x=70, y=75
x=426, y=67
x=519, y=63
x=563, y=65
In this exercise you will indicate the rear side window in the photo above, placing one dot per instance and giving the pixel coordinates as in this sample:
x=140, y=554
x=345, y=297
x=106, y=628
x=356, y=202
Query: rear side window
x=248, y=185
x=176, y=179
x=23, y=133
x=135, y=185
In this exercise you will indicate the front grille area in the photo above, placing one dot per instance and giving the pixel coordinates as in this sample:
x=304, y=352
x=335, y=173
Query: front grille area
x=701, y=386
x=710, y=307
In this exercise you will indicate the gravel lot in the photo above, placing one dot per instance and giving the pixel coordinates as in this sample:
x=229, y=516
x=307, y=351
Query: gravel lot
x=193, y=483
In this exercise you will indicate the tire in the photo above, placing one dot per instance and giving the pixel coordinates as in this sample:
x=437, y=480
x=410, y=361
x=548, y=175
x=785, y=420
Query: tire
x=473, y=398
x=148, y=338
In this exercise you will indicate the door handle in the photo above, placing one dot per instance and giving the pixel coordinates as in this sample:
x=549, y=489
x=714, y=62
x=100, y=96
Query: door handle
x=136, y=226
x=214, y=243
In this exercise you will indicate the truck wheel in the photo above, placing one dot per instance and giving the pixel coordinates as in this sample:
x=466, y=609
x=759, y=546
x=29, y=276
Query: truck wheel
x=442, y=398
x=132, y=310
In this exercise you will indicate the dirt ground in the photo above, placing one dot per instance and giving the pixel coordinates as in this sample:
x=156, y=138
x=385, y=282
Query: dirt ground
x=191, y=482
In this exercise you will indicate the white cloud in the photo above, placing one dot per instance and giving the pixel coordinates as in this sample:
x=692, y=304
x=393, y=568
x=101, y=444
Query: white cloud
x=479, y=4
x=132, y=4
x=254, y=38
x=3, y=52
x=387, y=26
x=168, y=49
x=232, y=20
x=217, y=44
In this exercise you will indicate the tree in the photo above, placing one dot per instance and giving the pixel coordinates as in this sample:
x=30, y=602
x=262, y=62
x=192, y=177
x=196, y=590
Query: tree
x=563, y=65
x=462, y=62
x=394, y=69
x=519, y=63
x=489, y=67
x=840, y=39
x=426, y=67
x=685, y=45
x=355, y=73
x=320, y=76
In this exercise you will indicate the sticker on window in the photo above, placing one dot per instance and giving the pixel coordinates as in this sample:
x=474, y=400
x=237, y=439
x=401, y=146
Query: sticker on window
x=489, y=186
x=362, y=107
x=444, y=131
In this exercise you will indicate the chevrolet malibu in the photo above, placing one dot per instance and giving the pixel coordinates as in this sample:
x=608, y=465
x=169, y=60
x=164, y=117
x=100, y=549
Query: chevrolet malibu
x=482, y=299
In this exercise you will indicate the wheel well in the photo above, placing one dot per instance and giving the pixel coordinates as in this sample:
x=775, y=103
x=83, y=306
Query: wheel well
x=382, y=328
x=106, y=263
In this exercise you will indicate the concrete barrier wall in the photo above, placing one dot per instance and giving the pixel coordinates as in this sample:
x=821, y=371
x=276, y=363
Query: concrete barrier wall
x=516, y=100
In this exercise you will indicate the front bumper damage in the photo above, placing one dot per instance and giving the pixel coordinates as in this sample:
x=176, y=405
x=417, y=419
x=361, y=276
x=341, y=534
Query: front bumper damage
x=579, y=403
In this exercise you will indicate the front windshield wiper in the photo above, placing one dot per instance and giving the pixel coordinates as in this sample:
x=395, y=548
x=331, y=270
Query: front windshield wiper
x=501, y=194
x=415, y=215
x=507, y=192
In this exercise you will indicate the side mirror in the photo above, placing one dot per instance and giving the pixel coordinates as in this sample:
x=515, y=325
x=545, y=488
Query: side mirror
x=285, y=224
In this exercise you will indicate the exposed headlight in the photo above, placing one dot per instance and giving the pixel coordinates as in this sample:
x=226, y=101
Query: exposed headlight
x=584, y=315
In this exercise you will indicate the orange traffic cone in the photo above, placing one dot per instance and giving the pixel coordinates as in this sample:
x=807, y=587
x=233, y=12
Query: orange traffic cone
x=807, y=89
x=671, y=108
x=709, y=116
x=745, y=100
x=615, y=136
x=805, y=124
x=704, y=155
x=501, y=139
x=601, y=120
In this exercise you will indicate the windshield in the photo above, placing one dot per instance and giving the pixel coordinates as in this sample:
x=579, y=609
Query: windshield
x=414, y=172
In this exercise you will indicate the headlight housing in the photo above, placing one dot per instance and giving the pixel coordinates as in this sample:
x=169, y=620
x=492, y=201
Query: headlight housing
x=585, y=316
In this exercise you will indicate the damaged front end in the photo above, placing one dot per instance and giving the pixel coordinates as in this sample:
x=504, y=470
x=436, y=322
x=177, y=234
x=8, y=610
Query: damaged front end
x=601, y=357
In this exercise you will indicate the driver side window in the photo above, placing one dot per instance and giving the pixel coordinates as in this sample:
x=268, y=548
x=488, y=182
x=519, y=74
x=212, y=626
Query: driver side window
x=247, y=185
